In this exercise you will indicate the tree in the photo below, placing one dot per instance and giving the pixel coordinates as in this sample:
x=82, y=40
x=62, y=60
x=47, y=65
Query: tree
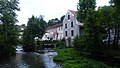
x=8, y=30
x=106, y=20
x=91, y=40
x=62, y=18
x=35, y=28
x=111, y=2
x=117, y=18
x=83, y=7
x=92, y=36
x=53, y=22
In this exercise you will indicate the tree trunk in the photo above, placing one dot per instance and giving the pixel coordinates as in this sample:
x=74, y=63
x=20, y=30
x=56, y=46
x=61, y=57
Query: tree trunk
x=109, y=37
x=117, y=37
x=114, y=41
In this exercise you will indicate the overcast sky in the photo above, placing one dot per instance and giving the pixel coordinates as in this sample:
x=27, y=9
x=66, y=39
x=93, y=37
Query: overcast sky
x=49, y=8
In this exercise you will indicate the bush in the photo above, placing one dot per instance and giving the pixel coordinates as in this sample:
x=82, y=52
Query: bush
x=70, y=65
x=91, y=64
x=60, y=44
x=79, y=43
x=65, y=54
x=69, y=58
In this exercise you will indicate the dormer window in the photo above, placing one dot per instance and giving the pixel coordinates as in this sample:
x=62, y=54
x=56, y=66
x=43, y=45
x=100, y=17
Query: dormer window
x=68, y=17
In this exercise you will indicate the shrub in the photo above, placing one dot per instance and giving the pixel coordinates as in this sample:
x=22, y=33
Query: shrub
x=60, y=44
x=71, y=65
x=79, y=43
x=70, y=58
x=92, y=64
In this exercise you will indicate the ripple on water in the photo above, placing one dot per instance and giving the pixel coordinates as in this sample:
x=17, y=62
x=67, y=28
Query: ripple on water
x=31, y=60
x=48, y=60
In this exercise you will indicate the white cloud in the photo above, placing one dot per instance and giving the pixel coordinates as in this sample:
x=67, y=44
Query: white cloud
x=49, y=8
x=102, y=2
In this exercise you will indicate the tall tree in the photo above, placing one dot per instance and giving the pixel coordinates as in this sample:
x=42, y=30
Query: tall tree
x=83, y=7
x=8, y=30
x=35, y=28
x=117, y=18
x=106, y=20
x=91, y=41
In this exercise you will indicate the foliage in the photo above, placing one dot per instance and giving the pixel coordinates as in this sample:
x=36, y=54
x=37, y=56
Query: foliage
x=79, y=43
x=117, y=24
x=106, y=21
x=62, y=18
x=60, y=44
x=106, y=16
x=8, y=29
x=91, y=40
x=69, y=58
x=66, y=54
x=35, y=28
x=92, y=36
x=53, y=22
x=88, y=64
x=96, y=25
x=83, y=7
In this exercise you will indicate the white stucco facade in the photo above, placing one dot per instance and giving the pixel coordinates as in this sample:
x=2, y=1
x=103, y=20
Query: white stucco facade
x=56, y=31
x=68, y=22
x=71, y=27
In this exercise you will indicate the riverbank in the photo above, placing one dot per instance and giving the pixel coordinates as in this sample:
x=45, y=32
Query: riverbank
x=69, y=58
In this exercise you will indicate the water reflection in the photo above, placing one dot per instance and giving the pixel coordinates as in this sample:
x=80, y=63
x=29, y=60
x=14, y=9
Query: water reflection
x=20, y=62
x=23, y=60
x=48, y=60
x=30, y=60
x=33, y=60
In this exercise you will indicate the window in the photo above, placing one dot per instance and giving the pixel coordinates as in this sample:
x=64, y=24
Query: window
x=59, y=28
x=68, y=17
x=72, y=33
x=65, y=25
x=71, y=24
x=65, y=33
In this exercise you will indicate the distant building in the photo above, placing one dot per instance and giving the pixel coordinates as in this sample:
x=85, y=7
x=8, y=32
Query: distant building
x=71, y=27
x=21, y=29
x=55, y=32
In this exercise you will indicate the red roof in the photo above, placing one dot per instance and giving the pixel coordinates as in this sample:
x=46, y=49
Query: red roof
x=55, y=26
x=73, y=12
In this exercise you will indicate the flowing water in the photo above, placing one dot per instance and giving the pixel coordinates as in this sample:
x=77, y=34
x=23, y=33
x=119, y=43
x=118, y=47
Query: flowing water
x=31, y=60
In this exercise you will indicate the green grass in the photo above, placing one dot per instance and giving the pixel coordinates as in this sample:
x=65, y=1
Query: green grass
x=69, y=58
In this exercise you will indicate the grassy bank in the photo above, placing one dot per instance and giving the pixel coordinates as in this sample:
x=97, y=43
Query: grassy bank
x=69, y=58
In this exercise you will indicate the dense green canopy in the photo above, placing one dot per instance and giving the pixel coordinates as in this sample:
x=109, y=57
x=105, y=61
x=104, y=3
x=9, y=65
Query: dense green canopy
x=8, y=30
x=35, y=28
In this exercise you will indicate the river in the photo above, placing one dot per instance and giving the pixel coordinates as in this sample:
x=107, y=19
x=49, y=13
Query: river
x=31, y=60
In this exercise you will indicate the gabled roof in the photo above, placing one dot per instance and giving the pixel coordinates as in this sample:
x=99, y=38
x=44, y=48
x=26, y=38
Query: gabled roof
x=55, y=26
x=73, y=12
